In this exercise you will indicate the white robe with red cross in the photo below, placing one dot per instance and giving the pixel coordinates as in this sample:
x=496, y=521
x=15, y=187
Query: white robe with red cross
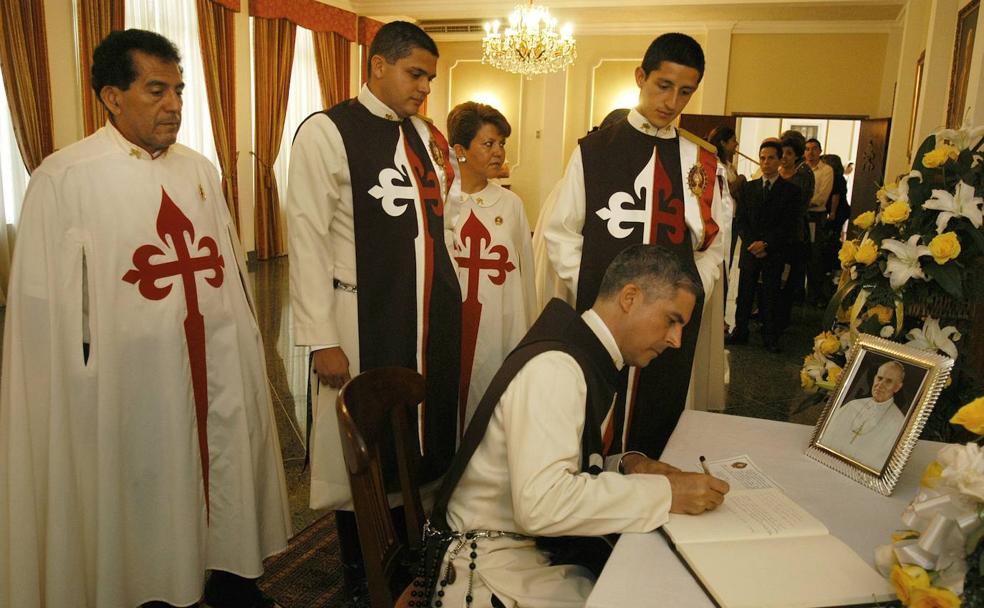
x=494, y=255
x=104, y=460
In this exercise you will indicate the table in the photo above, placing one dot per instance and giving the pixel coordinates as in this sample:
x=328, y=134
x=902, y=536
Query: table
x=644, y=571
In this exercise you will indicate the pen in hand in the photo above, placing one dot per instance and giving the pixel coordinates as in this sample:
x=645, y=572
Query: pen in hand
x=703, y=466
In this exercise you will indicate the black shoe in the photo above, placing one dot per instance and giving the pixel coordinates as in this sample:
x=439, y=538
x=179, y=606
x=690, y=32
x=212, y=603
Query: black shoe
x=228, y=590
x=736, y=337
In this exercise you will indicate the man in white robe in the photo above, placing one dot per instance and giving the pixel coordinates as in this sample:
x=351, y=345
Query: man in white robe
x=372, y=282
x=138, y=446
x=866, y=429
x=643, y=180
x=537, y=469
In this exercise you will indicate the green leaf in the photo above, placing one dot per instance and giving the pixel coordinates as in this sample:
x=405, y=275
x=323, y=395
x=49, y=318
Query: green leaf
x=948, y=277
x=972, y=541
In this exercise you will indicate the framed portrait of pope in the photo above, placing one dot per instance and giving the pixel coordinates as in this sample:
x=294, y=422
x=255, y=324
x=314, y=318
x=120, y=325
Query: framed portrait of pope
x=877, y=410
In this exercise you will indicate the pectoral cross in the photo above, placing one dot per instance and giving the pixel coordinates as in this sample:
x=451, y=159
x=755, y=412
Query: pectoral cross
x=174, y=226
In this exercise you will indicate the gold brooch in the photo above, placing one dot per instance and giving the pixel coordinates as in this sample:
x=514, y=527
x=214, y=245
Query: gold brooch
x=201, y=191
x=436, y=152
x=498, y=220
x=697, y=180
x=134, y=153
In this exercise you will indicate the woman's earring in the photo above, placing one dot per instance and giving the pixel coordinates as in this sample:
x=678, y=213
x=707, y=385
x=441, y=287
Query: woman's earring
x=462, y=159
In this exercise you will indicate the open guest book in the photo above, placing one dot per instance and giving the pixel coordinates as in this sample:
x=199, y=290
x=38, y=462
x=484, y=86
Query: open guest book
x=762, y=549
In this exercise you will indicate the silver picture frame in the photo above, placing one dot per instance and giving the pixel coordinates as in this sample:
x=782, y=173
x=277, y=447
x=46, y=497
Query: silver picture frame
x=877, y=410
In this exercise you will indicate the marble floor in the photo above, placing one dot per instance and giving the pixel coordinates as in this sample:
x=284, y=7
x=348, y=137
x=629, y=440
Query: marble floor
x=763, y=384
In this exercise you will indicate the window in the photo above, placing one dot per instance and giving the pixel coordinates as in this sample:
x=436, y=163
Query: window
x=303, y=100
x=13, y=174
x=177, y=20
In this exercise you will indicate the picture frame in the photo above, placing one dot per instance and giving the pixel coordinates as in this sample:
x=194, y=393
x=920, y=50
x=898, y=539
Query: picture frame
x=877, y=410
x=963, y=53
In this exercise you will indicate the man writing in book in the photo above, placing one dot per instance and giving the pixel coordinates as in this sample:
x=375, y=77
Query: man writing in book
x=535, y=460
x=866, y=429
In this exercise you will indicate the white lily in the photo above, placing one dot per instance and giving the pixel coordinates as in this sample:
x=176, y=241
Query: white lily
x=900, y=192
x=963, y=138
x=815, y=365
x=933, y=338
x=903, y=260
x=962, y=203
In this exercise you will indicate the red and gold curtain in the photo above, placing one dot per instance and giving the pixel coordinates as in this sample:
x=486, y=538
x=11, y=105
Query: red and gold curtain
x=273, y=42
x=24, y=60
x=217, y=36
x=95, y=20
x=332, y=53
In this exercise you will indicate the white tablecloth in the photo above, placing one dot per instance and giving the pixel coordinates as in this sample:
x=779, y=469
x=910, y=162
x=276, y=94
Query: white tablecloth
x=643, y=571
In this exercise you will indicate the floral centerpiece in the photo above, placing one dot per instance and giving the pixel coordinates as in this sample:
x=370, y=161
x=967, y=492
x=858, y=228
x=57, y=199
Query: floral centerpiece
x=913, y=271
x=937, y=561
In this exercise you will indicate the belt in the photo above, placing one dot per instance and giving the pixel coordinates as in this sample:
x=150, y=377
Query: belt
x=344, y=286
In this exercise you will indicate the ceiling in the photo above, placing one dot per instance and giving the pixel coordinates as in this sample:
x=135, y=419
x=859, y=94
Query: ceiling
x=633, y=14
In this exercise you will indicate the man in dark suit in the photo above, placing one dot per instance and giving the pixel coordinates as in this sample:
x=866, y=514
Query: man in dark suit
x=765, y=222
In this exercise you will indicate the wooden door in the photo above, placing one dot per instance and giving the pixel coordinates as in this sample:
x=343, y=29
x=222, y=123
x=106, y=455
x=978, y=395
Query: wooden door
x=702, y=124
x=869, y=167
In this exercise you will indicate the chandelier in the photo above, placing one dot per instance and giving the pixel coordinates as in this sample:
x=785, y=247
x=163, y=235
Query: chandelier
x=530, y=44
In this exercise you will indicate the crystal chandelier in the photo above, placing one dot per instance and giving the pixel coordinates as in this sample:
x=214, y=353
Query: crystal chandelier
x=531, y=44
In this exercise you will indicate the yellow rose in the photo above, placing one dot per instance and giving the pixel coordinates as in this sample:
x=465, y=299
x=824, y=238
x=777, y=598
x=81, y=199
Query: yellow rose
x=884, y=313
x=846, y=253
x=940, y=155
x=944, y=247
x=882, y=194
x=971, y=416
x=931, y=475
x=829, y=344
x=806, y=380
x=934, y=597
x=865, y=220
x=867, y=252
x=907, y=580
x=834, y=374
x=902, y=535
x=896, y=213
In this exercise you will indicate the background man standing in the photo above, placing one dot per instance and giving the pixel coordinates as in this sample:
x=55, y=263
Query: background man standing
x=644, y=181
x=764, y=221
x=137, y=439
x=371, y=279
x=816, y=217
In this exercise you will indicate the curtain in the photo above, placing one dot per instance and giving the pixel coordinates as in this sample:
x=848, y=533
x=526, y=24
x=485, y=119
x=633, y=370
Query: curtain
x=24, y=63
x=304, y=99
x=217, y=35
x=95, y=20
x=273, y=41
x=332, y=53
x=177, y=20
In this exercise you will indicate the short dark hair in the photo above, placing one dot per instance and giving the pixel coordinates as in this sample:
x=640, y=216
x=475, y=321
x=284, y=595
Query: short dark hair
x=676, y=48
x=771, y=143
x=467, y=118
x=816, y=141
x=396, y=40
x=798, y=144
x=718, y=136
x=654, y=268
x=112, y=61
x=835, y=163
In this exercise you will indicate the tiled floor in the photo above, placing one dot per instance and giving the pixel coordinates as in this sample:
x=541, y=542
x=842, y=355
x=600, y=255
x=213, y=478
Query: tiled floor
x=763, y=385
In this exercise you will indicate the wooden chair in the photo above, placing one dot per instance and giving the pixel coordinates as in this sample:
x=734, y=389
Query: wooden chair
x=377, y=421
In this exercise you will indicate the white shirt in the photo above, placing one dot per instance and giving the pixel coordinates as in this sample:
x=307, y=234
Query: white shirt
x=526, y=477
x=823, y=176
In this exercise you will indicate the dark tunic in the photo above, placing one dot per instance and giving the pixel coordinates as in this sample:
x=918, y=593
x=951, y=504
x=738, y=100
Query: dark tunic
x=651, y=399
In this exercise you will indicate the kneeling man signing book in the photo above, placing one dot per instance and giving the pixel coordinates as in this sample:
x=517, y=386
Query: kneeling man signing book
x=534, y=465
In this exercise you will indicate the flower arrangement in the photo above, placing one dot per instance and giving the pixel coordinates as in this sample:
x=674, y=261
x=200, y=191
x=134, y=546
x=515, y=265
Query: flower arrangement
x=937, y=561
x=923, y=243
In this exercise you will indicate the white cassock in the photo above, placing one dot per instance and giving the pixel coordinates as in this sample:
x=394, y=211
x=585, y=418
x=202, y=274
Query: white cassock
x=321, y=245
x=548, y=284
x=102, y=500
x=494, y=256
x=525, y=476
x=864, y=430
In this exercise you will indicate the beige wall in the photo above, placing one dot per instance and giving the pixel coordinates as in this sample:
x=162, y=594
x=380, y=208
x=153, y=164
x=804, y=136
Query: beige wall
x=806, y=74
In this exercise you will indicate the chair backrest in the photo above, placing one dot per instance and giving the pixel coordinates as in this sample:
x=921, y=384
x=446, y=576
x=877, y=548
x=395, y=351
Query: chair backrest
x=377, y=421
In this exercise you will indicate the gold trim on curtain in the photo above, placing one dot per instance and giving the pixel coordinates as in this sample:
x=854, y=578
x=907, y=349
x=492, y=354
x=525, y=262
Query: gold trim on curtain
x=273, y=42
x=332, y=53
x=217, y=36
x=24, y=59
x=95, y=20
